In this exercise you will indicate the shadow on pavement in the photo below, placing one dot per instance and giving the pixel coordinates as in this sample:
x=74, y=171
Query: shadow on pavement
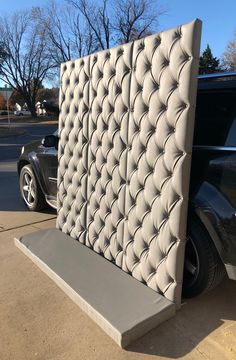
x=197, y=319
x=10, y=192
x=13, y=211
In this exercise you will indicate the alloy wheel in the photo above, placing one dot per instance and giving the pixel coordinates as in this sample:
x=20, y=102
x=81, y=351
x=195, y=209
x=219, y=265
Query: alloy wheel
x=28, y=189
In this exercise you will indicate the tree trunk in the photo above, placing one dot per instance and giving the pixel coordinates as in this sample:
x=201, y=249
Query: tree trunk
x=32, y=109
x=33, y=112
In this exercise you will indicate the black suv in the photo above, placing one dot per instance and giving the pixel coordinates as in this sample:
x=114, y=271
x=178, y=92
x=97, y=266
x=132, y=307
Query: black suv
x=211, y=235
x=37, y=169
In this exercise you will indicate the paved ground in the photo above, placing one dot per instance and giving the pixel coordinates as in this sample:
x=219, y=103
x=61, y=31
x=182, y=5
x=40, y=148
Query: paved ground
x=38, y=321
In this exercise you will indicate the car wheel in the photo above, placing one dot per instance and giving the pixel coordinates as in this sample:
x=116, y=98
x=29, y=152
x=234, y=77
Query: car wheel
x=203, y=268
x=30, y=190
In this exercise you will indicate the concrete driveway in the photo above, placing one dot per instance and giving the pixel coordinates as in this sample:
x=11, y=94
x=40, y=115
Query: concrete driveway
x=38, y=321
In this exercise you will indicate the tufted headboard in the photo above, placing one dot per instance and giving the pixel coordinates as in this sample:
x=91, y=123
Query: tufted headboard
x=126, y=127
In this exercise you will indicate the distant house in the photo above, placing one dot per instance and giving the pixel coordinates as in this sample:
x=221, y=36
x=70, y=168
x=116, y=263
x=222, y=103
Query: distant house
x=40, y=109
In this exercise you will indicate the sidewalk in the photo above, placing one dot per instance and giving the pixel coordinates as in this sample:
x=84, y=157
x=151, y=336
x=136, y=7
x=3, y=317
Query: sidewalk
x=38, y=321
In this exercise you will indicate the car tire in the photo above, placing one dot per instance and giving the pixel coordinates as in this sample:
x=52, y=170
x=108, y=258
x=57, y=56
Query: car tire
x=203, y=268
x=30, y=190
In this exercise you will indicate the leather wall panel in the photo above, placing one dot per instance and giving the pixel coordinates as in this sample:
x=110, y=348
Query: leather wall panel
x=160, y=132
x=126, y=125
x=110, y=72
x=73, y=148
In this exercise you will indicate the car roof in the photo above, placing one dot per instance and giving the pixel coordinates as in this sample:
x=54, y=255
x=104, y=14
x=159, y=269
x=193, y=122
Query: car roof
x=223, y=80
x=226, y=74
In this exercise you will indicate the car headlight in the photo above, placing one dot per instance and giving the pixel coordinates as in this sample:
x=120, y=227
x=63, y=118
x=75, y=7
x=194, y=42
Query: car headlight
x=22, y=150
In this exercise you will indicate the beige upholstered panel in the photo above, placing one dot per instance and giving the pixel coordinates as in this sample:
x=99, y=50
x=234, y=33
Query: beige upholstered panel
x=162, y=102
x=126, y=124
x=110, y=73
x=73, y=148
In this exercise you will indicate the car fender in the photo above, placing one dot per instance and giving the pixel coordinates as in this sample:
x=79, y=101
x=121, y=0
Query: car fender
x=32, y=159
x=216, y=213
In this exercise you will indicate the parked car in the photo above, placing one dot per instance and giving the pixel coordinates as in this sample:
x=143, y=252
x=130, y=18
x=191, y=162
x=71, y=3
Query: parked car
x=22, y=112
x=211, y=245
x=211, y=233
x=37, y=169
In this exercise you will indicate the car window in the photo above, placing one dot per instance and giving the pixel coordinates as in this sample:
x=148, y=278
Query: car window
x=215, y=117
x=231, y=139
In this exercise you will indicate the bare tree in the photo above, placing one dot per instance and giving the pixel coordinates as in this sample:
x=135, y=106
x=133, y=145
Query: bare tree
x=97, y=19
x=229, y=56
x=120, y=21
x=135, y=19
x=68, y=36
x=77, y=28
x=2, y=55
x=26, y=64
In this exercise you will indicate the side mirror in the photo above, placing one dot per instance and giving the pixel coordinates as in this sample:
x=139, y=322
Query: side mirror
x=50, y=141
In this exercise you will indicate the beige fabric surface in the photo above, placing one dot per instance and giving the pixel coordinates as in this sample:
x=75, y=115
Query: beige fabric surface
x=126, y=126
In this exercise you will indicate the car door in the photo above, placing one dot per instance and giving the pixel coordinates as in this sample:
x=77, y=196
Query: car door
x=48, y=163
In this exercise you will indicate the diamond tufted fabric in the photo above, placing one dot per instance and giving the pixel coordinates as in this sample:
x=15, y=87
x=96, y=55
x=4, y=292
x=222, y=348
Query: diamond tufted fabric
x=126, y=126
x=162, y=101
x=108, y=124
x=73, y=149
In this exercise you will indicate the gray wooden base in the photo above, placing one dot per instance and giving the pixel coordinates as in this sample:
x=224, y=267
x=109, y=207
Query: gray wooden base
x=122, y=306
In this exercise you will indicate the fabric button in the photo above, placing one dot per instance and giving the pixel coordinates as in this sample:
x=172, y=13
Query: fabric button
x=120, y=52
x=142, y=46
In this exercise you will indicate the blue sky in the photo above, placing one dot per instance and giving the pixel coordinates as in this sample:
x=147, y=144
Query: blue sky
x=219, y=18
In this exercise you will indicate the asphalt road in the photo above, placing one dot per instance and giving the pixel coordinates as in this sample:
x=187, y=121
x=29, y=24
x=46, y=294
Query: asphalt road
x=10, y=147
